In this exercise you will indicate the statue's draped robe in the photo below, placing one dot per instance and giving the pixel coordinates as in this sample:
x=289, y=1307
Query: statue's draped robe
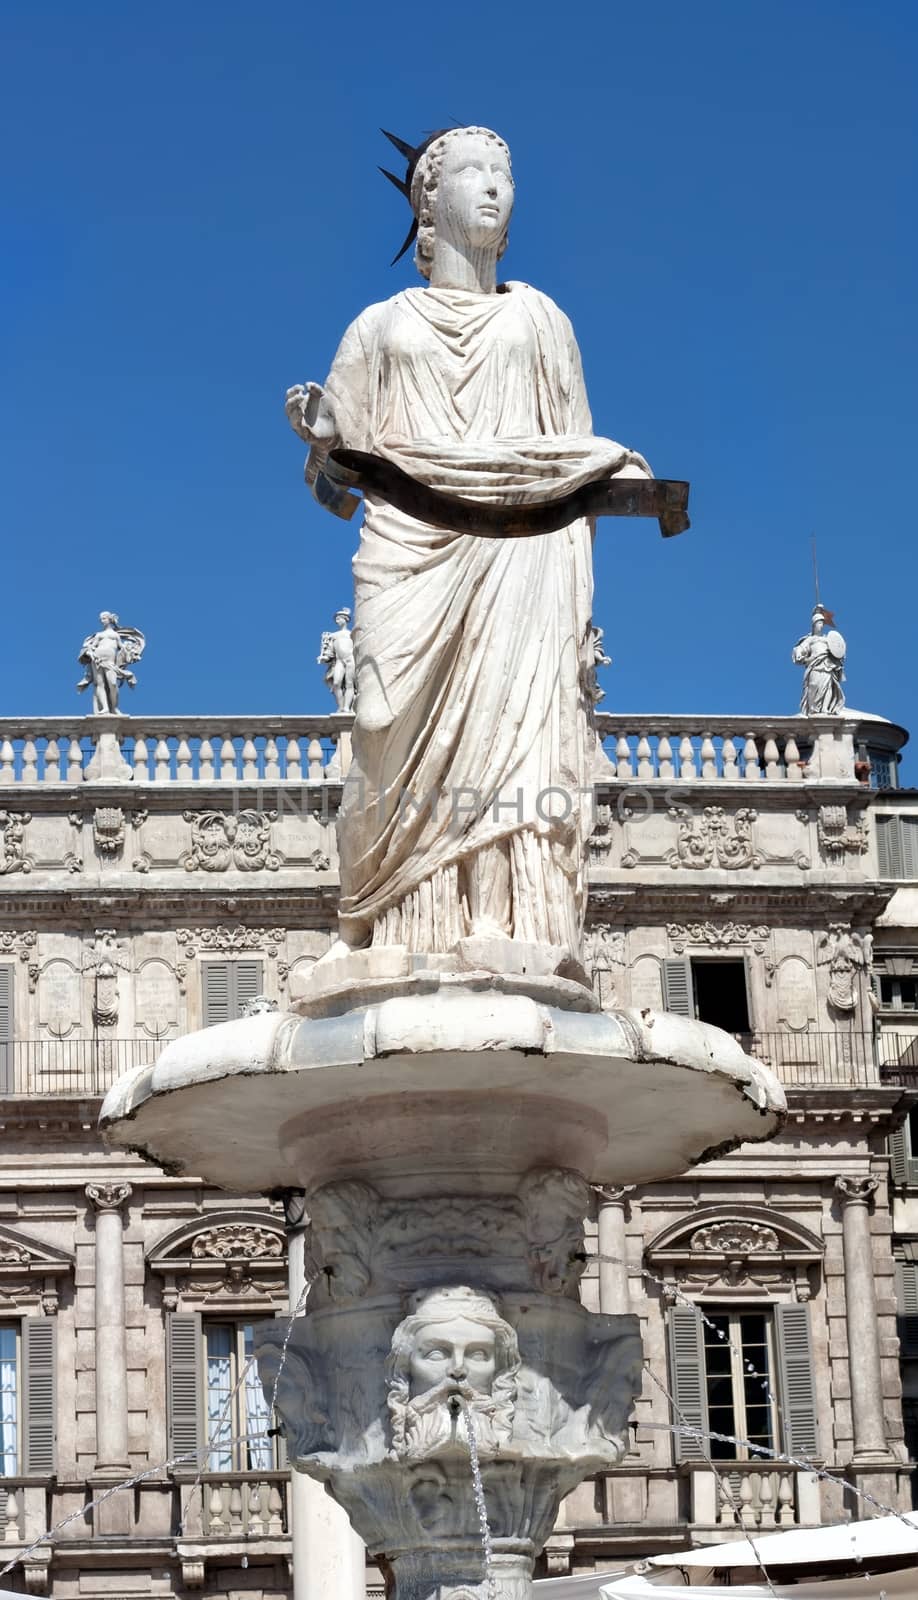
x=473, y=751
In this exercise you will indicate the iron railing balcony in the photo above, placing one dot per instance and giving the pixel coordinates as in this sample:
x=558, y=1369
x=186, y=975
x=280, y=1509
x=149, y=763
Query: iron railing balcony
x=71, y=1068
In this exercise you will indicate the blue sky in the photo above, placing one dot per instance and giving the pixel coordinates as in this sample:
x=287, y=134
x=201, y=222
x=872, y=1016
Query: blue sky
x=721, y=195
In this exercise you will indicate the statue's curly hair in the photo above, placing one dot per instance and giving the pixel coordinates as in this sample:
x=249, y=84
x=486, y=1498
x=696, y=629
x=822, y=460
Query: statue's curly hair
x=424, y=191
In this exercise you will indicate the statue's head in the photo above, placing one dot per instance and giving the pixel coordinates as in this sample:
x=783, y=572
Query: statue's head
x=462, y=189
x=453, y=1350
x=108, y=619
x=821, y=618
x=343, y=616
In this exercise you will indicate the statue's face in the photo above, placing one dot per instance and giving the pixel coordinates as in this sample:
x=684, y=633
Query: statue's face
x=460, y=1352
x=475, y=191
x=818, y=624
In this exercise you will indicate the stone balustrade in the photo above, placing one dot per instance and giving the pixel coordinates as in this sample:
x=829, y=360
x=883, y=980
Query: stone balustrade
x=269, y=749
x=754, y=1495
x=236, y=1505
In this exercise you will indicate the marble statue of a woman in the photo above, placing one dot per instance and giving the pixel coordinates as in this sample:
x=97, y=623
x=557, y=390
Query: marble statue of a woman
x=468, y=801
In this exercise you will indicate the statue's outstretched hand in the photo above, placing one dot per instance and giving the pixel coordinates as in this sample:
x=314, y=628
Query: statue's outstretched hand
x=309, y=412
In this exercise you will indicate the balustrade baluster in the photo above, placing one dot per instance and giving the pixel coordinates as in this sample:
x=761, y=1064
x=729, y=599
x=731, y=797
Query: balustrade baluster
x=644, y=757
x=294, y=767
x=731, y=764
x=256, y=1520
x=275, y=1510
x=206, y=762
x=772, y=760
x=272, y=765
x=183, y=770
x=235, y=1509
x=53, y=762
x=314, y=757
x=786, y=1511
x=29, y=761
x=708, y=757
x=746, y=1496
x=752, y=772
x=793, y=764
x=74, y=762
x=11, y=1531
x=227, y=761
x=767, y=1518
x=7, y=763
x=623, y=767
x=687, y=768
x=215, y=1509
x=141, y=758
x=162, y=768
x=665, y=768
x=249, y=762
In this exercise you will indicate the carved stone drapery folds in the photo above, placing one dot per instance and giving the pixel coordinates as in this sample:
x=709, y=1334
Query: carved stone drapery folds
x=238, y=839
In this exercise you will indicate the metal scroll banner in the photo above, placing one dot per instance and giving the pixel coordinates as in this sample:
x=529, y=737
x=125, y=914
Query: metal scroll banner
x=346, y=470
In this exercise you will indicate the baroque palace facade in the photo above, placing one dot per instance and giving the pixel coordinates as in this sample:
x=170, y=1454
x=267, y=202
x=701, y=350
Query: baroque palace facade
x=162, y=874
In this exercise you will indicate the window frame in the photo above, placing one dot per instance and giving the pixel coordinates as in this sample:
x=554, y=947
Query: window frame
x=14, y=1326
x=733, y=1313
x=238, y=1449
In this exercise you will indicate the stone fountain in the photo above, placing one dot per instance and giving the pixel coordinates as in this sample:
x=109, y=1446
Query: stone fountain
x=446, y=1089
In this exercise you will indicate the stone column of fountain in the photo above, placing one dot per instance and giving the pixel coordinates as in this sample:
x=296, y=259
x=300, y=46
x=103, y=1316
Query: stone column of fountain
x=447, y=1090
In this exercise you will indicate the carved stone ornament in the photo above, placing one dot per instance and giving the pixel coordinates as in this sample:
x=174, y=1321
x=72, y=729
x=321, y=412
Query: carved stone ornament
x=837, y=838
x=108, y=1196
x=735, y=1238
x=224, y=839
x=21, y=943
x=13, y=856
x=105, y=961
x=715, y=839
x=555, y=1204
x=603, y=947
x=229, y=941
x=857, y=1191
x=847, y=955
x=108, y=830
x=600, y=841
x=716, y=935
x=237, y=1240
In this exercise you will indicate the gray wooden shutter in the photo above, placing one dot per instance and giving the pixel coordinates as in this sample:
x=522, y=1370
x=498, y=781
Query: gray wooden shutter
x=248, y=983
x=798, y=1394
x=689, y=1389
x=908, y=839
x=907, y=1305
x=677, y=986
x=898, y=1155
x=183, y=1382
x=39, y=1395
x=750, y=1013
x=215, y=992
x=6, y=1025
x=889, y=847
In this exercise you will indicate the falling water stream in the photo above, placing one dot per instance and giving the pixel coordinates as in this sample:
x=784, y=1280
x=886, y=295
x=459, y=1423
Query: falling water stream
x=484, y=1526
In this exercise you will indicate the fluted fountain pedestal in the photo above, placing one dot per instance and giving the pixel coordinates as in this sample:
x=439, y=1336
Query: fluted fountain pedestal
x=446, y=1126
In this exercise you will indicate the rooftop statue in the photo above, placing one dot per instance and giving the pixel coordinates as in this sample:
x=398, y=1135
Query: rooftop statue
x=475, y=656
x=822, y=655
x=336, y=654
x=108, y=656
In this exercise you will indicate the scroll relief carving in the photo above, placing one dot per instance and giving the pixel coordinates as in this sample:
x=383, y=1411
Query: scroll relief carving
x=229, y=941
x=716, y=838
x=22, y=943
x=13, y=856
x=717, y=935
x=735, y=1238
x=847, y=955
x=235, y=1240
x=221, y=840
x=837, y=837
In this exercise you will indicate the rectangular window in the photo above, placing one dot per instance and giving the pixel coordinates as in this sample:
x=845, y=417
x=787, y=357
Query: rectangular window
x=739, y=1376
x=237, y=1418
x=897, y=846
x=10, y=1406
x=898, y=994
x=227, y=987
x=710, y=989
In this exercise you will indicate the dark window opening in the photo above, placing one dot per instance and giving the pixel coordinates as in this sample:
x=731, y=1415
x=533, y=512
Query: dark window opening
x=720, y=994
x=899, y=994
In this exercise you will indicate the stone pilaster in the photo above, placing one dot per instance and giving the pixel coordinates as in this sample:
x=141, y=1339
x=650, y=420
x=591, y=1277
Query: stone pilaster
x=861, y=1318
x=612, y=1248
x=112, y=1463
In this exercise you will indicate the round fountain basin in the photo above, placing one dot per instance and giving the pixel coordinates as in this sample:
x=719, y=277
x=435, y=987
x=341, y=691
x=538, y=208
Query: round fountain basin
x=460, y=1090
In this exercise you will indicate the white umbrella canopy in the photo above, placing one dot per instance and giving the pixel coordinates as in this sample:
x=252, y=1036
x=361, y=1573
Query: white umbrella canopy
x=843, y=1542
x=901, y=1585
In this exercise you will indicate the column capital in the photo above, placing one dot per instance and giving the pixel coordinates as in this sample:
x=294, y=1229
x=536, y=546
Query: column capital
x=613, y=1194
x=108, y=1196
x=856, y=1191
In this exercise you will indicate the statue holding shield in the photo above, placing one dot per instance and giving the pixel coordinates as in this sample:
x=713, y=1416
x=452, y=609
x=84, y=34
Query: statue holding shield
x=822, y=655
